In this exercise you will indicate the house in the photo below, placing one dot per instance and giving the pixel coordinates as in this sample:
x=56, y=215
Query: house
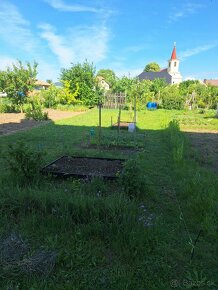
x=102, y=83
x=171, y=74
x=41, y=85
x=211, y=82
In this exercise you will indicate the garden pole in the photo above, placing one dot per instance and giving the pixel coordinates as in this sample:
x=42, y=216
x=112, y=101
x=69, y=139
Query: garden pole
x=99, y=133
x=118, y=123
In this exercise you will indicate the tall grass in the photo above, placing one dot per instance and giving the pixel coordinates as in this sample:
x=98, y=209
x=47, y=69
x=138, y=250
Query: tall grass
x=177, y=140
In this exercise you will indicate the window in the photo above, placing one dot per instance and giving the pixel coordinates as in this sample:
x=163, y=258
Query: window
x=175, y=63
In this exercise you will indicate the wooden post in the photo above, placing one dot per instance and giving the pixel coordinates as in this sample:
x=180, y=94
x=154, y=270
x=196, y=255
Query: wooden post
x=99, y=133
x=135, y=109
x=118, y=122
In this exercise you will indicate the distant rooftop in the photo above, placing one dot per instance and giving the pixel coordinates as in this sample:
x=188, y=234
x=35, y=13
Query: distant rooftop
x=211, y=82
x=41, y=83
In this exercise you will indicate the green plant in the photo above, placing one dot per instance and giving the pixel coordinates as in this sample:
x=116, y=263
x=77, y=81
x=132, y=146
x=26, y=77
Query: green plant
x=176, y=140
x=34, y=112
x=197, y=279
x=19, y=81
x=133, y=178
x=23, y=162
x=8, y=108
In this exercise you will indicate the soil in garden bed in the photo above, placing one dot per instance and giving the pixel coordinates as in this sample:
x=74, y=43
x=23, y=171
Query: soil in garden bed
x=85, y=167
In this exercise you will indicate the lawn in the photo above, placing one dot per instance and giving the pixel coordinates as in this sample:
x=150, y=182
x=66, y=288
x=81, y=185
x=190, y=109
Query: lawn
x=154, y=228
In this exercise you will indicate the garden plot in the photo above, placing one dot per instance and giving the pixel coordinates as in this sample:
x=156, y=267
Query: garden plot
x=125, y=142
x=85, y=167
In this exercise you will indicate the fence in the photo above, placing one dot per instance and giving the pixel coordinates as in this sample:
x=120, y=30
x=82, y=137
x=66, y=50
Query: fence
x=114, y=101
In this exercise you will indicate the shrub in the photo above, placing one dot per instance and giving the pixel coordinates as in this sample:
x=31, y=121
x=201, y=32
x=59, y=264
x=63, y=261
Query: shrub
x=8, y=108
x=201, y=104
x=52, y=96
x=171, y=98
x=173, y=103
x=23, y=162
x=34, y=112
x=133, y=178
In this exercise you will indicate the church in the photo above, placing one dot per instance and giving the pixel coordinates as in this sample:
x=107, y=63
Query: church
x=170, y=74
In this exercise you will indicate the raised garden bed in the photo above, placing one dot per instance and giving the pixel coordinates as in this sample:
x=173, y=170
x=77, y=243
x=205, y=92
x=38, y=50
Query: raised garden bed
x=84, y=167
x=123, y=125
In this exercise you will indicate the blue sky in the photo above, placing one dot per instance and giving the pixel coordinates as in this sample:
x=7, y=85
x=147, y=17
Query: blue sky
x=122, y=35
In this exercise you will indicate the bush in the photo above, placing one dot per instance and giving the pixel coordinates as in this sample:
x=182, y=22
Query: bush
x=8, y=108
x=133, y=178
x=34, y=112
x=23, y=162
x=52, y=96
x=173, y=103
x=171, y=98
x=201, y=104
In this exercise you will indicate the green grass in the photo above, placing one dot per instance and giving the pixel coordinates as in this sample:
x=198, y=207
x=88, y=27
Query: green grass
x=99, y=232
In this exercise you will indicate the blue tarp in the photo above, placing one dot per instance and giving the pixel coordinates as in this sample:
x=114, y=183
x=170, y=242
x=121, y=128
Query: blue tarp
x=151, y=105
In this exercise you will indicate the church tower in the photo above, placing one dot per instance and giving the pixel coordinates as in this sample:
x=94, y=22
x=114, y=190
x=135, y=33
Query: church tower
x=173, y=68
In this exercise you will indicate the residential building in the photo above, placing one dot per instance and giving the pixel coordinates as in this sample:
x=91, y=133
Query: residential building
x=102, y=83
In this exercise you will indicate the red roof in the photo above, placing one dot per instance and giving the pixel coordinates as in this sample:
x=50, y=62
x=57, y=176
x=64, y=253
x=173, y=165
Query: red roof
x=211, y=82
x=173, y=56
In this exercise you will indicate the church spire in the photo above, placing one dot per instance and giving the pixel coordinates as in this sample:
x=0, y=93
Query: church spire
x=173, y=56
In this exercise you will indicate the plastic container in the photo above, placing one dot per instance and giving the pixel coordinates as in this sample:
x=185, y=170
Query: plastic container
x=131, y=127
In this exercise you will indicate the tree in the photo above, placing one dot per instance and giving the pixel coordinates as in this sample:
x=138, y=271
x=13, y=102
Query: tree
x=81, y=77
x=108, y=75
x=2, y=80
x=171, y=98
x=157, y=86
x=122, y=85
x=70, y=97
x=152, y=66
x=19, y=81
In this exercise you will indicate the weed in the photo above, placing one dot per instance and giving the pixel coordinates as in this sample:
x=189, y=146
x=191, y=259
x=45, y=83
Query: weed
x=176, y=139
x=133, y=178
x=24, y=163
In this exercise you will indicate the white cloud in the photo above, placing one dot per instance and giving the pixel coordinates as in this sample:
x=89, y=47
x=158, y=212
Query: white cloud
x=184, y=11
x=14, y=28
x=57, y=44
x=16, y=32
x=193, y=51
x=78, y=44
x=62, y=6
